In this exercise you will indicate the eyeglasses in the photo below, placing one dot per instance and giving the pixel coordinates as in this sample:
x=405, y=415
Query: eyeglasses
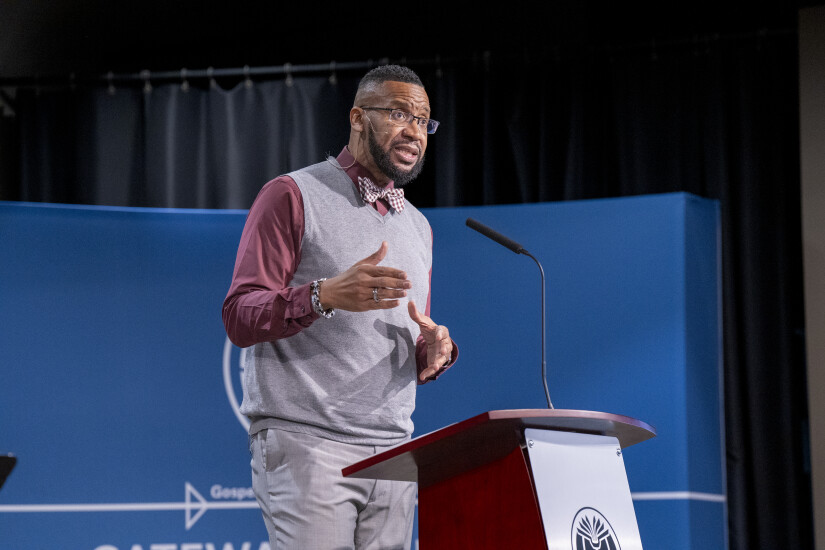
x=402, y=118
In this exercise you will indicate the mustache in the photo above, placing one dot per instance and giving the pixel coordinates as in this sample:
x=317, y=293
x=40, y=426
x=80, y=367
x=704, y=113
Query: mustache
x=401, y=141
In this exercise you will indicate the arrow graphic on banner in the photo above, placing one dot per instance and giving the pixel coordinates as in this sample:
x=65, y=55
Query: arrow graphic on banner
x=194, y=505
x=192, y=492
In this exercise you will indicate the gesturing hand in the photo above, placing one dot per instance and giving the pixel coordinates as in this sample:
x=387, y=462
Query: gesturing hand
x=352, y=290
x=437, y=337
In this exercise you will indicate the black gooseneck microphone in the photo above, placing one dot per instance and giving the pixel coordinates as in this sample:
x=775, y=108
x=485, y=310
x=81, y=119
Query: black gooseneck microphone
x=518, y=249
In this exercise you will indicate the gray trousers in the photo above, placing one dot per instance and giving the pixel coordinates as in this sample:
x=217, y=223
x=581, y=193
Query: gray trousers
x=308, y=505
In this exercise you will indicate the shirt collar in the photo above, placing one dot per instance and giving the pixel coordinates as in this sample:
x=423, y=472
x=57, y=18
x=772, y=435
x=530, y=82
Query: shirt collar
x=356, y=169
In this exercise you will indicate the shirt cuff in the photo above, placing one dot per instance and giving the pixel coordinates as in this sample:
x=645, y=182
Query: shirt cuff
x=299, y=307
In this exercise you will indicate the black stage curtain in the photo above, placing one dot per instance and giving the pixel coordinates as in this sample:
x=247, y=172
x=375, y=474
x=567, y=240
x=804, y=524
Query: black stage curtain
x=718, y=119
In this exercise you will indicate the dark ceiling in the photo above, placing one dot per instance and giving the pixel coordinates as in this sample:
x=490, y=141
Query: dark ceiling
x=40, y=38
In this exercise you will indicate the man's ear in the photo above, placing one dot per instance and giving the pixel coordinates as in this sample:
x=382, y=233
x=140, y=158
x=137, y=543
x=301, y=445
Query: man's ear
x=356, y=119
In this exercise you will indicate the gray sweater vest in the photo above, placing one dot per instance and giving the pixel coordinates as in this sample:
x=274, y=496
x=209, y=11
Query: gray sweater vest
x=351, y=378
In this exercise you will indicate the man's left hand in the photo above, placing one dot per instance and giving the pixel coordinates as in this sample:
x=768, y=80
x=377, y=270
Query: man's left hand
x=437, y=337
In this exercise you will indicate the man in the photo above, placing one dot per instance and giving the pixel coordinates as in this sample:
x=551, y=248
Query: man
x=327, y=257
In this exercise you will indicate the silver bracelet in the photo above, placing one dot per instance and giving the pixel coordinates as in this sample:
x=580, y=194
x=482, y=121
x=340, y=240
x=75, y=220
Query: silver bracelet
x=315, y=288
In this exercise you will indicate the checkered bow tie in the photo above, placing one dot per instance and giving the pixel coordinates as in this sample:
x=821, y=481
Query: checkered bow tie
x=371, y=193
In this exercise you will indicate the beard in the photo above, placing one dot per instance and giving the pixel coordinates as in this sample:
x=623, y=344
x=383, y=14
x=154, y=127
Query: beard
x=383, y=162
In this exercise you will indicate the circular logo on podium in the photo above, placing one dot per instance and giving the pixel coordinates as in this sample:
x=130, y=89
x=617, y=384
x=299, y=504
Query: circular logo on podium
x=592, y=531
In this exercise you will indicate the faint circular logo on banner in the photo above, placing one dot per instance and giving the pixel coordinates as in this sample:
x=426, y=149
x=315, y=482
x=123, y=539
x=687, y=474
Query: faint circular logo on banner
x=592, y=531
x=234, y=359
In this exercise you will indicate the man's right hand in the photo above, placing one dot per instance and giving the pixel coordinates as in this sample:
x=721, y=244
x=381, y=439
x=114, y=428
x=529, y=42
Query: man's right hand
x=352, y=290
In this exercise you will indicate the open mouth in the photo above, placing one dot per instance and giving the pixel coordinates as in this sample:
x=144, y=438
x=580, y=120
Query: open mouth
x=408, y=154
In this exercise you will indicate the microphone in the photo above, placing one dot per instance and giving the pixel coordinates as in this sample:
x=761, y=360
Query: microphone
x=518, y=249
x=496, y=236
x=373, y=127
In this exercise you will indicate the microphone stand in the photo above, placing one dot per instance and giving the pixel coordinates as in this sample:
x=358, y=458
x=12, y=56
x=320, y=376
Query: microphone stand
x=543, y=333
x=518, y=249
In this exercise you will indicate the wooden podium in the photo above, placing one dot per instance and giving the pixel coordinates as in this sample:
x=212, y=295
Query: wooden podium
x=477, y=487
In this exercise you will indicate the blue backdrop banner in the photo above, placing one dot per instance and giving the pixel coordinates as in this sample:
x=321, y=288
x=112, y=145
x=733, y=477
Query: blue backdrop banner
x=119, y=389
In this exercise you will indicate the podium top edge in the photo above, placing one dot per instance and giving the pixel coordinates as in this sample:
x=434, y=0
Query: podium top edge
x=569, y=414
x=500, y=427
x=626, y=429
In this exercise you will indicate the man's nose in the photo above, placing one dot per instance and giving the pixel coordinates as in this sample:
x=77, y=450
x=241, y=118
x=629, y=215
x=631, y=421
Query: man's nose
x=412, y=128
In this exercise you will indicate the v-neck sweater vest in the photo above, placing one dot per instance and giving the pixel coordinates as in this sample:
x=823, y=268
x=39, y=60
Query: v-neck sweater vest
x=351, y=378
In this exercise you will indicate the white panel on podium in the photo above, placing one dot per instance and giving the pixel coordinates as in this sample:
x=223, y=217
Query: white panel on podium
x=582, y=489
